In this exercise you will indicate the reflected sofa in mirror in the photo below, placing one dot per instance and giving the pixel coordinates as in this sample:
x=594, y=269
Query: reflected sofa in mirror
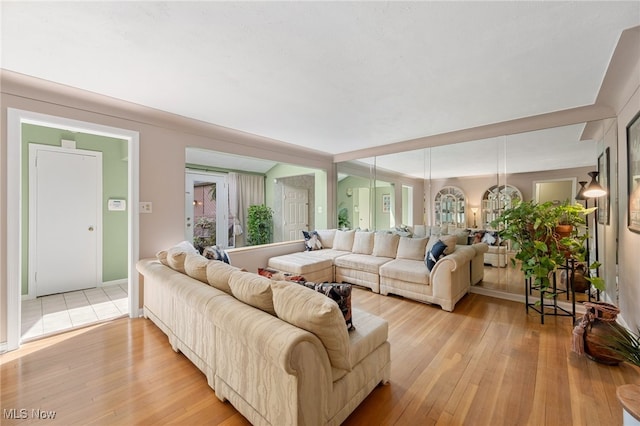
x=296, y=195
x=475, y=167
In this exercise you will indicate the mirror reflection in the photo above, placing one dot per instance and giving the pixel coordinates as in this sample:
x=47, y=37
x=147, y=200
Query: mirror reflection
x=461, y=188
x=236, y=201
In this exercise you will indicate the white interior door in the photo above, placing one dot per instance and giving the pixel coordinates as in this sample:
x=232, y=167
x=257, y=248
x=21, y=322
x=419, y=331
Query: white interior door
x=65, y=220
x=296, y=213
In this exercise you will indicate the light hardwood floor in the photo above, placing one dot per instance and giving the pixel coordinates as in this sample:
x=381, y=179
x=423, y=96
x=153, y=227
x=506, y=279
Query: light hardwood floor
x=487, y=363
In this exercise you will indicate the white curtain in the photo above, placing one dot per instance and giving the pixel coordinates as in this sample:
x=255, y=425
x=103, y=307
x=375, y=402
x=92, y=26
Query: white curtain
x=244, y=191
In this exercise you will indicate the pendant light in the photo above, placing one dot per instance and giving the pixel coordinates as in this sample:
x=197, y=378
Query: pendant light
x=594, y=189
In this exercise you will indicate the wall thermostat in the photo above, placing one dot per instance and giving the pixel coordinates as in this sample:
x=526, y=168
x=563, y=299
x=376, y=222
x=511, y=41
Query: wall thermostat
x=117, y=205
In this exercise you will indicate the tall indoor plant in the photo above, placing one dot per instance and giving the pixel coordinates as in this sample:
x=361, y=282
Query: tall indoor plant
x=260, y=224
x=532, y=229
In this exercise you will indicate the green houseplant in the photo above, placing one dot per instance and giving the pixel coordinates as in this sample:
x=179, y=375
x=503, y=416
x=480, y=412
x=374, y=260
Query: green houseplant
x=343, y=218
x=532, y=229
x=259, y=226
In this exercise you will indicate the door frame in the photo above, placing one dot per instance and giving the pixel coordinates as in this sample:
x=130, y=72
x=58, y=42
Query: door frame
x=33, y=202
x=15, y=119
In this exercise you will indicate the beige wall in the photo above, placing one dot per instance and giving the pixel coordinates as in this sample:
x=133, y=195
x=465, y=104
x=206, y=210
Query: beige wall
x=163, y=139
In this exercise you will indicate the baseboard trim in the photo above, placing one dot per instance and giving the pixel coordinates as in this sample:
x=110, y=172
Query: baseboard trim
x=3, y=347
x=521, y=299
x=114, y=282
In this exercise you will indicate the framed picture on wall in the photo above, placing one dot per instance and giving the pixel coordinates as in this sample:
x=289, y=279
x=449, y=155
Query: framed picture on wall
x=603, y=174
x=386, y=203
x=633, y=173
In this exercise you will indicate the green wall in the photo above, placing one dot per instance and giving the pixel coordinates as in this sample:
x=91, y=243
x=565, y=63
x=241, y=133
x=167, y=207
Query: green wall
x=114, y=185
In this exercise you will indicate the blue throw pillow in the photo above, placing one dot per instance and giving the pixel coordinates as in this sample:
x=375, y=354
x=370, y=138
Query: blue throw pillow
x=434, y=254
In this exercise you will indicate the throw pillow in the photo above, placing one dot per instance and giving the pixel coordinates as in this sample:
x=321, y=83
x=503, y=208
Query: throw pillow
x=216, y=253
x=178, y=253
x=343, y=240
x=280, y=276
x=340, y=293
x=385, y=245
x=312, y=240
x=489, y=238
x=434, y=254
x=317, y=314
x=411, y=248
x=362, y=242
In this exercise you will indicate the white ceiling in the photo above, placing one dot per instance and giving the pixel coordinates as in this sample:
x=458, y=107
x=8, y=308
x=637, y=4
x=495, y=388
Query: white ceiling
x=331, y=76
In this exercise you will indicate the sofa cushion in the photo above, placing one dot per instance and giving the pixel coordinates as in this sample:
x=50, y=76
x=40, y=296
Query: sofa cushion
x=177, y=254
x=311, y=240
x=362, y=242
x=316, y=313
x=361, y=262
x=253, y=290
x=340, y=293
x=162, y=257
x=195, y=265
x=343, y=240
x=326, y=236
x=218, y=275
x=300, y=263
x=385, y=245
x=406, y=270
x=372, y=332
x=412, y=248
x=434, y=254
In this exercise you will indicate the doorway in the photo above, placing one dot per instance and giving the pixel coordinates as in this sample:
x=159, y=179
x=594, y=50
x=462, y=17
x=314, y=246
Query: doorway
x=207, y=210
x=16, y=260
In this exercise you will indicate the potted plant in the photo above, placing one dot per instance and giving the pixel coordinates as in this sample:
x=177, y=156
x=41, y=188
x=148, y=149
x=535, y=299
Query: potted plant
x=259, y=224
x=343, y=218
x=532, y=229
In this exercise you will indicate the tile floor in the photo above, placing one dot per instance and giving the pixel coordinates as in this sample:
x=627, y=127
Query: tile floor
x=52, y=314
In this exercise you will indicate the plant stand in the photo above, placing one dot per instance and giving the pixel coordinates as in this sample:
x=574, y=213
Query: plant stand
x=548, y=303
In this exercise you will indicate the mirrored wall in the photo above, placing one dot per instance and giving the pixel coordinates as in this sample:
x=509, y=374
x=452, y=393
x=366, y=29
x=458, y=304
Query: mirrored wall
x=461, y=188
x=221, y=188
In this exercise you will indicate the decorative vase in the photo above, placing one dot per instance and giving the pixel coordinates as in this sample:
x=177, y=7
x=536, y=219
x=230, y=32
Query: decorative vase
x=595, y=328
x=580, y=284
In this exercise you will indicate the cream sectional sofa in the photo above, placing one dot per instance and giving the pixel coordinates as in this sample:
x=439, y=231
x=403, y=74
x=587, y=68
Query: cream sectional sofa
x=388, y=263
x=279, y=352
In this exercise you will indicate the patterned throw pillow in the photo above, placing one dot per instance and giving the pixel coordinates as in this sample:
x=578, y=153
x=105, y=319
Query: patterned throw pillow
x=434, y=254
x=312, y=240
x=216, y=253
x=280, y=276
x=340, y=293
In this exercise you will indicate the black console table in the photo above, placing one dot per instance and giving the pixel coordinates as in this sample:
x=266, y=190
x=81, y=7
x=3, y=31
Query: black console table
x=548, y=303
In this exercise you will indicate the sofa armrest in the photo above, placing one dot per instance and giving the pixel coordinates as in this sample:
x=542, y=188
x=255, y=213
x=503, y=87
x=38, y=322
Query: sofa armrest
x=450, y=276
x=268, y=368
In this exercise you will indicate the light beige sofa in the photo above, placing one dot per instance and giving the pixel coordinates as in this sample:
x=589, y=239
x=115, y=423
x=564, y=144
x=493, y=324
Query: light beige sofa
x=279, y=352
x=388, y=263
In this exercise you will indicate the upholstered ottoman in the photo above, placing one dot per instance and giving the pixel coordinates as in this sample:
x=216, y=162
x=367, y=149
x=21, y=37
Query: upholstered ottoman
x=496, y=256
x=312, y=268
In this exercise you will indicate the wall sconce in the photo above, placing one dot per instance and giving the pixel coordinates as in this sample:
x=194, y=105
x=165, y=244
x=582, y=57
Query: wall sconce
x=594, y=189
x=474, y=210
